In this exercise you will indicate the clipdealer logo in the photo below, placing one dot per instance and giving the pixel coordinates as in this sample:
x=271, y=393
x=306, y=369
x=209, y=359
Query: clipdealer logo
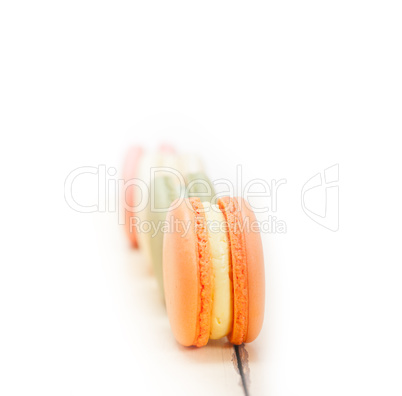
x=320, y=198
x=111, y=195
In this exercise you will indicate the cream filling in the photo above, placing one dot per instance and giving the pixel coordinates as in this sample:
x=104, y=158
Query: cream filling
x=222, y=300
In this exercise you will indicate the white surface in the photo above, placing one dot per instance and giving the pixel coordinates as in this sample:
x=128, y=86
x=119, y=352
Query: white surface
x=308, y=85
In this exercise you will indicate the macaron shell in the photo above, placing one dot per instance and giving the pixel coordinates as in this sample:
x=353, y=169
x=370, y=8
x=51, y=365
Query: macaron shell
x=233, y=217
x=148, y=161
x=199, y=185
x=130, y=171
x=164, y=190
x=180, y=273
x=255, y=272
x=205, y=271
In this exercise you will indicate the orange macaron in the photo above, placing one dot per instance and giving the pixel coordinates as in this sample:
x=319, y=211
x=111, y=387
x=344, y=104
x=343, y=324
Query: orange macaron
x=213, y=270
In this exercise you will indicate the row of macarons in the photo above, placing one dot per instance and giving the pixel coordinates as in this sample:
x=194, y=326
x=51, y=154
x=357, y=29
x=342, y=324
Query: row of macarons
x=206, y=258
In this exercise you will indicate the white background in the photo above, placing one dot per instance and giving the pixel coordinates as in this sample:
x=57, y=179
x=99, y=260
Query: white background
x=286, y=89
